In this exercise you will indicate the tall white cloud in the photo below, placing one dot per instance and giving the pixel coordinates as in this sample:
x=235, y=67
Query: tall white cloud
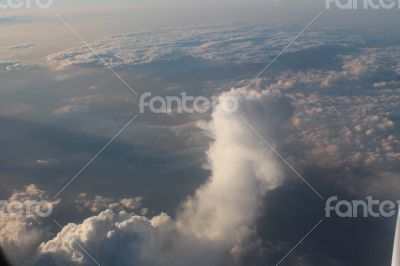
x=215, y=225
x=243, y=170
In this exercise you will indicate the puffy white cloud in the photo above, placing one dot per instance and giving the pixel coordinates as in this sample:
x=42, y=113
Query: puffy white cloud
x=127, y=239
x=215, y=225
x=243, y=171
x=20, y=235
x=105, y=235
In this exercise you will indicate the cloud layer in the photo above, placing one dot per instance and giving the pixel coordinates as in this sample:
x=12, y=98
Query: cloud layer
x=346, y=114
x=224, y=43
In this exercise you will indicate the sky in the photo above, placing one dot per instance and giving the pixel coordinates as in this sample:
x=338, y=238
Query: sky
x=316, y=114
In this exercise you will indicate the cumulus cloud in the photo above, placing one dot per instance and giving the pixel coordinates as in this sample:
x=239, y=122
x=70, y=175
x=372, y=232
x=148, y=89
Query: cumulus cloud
x=214, y=226
x=127, y=239
x=100, y=203
x=348, y=129
x=231, y=197
x=343, y=115
x=20, y=235
x=355, y=69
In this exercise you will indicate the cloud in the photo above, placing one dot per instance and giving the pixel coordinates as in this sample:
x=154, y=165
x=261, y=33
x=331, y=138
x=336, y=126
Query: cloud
x=104, y=236
x=354, y=69
x=231, y=198
x=46, y=162
x=19, y=46
x=366, y=137
x=216, y=224
x=346, y=113
x=21, y=235
x=69, y=110
x=223, y=43
x=99, y=203
x=12, y=66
